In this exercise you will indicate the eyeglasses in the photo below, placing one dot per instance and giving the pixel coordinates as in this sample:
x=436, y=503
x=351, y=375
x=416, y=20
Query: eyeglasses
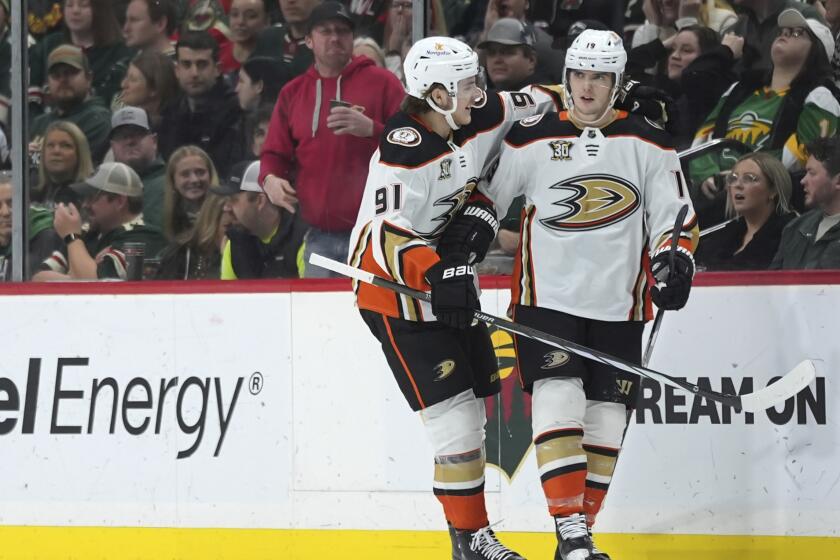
x=744, y=179
x=400, y=6
x=795, y=32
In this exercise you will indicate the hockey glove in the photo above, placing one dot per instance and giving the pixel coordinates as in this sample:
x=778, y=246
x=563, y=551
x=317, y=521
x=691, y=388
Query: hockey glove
x=673, y=286
x=454, y=298
x=647, y=101
x=470, y=233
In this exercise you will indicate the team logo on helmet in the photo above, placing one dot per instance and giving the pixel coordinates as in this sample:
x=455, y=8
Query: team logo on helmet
x=406, y=136
x=593, y=201
x=444, y=369
x=555, y=359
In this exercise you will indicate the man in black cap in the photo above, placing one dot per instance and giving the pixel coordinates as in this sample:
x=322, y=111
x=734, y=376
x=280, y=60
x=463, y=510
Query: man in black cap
x=510, y=57
x=267, y=241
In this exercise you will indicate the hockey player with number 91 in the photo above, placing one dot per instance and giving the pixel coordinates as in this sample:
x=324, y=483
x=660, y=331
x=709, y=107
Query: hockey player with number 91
x=429, y=160
x=602, y=191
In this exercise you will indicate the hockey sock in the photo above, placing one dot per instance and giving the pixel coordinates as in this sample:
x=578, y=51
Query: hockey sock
x=600, y=467
x=459, y=486
x=562, y=465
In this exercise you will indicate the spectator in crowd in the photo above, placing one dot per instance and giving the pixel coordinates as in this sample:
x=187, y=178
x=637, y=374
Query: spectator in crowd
x=367, y=46
x=257, y=127
x=758, y=194
x=548, y=63
x=5, y=64
x=189, y=174
x=510, y=58
x=288, y=41
x=69, y=79
x=666, y=17
x=260, y=80
x=92, y=26
x=204, y=15
x=149, y=83
x=832, y=16
x=149, y=24
x=267, y=241
x=397, y=35
x=196, y=254
x=63, y=158
x=42, y=237
x=813, y=239
x=324, y=129
x=697, y=72
x=248, y=18
x=758, y=25
x=207, y=115
x=561, y=15
x=778, y=112
x=370, y=16
x=113, y=203
x=134, y=143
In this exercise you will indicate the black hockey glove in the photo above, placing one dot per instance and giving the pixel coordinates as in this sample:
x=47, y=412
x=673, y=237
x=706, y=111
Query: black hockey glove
x=672, y=288
x=647, y=101
x=454, y=298
x=470, y=232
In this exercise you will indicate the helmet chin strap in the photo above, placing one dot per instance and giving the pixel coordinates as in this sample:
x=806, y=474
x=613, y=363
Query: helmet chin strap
x=447, y=113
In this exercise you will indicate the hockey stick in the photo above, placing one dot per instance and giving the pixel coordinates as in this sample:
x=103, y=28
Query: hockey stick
x=657, y=321
x=786, y=387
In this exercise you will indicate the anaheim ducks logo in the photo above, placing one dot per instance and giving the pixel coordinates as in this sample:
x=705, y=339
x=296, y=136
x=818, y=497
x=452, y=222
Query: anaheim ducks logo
x=593, y=201
x=405, y=136
x=444, y=369
x=555, y=359
x=451, y=204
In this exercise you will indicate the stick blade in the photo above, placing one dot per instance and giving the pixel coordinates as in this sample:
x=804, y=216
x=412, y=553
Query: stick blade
x=788, y=386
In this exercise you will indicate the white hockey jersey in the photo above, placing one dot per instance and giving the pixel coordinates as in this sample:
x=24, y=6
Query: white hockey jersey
x=417, y=182
x=598, y=204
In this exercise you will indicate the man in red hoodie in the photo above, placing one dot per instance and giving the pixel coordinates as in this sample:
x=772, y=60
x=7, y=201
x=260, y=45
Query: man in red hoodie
x=326, y=125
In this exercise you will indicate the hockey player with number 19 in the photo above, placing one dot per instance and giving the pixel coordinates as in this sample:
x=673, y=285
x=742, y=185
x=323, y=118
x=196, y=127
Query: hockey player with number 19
x=602, y=190
x=429, y=160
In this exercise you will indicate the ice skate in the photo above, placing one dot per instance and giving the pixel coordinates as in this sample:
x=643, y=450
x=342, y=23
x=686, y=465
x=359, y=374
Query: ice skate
x=573, y=541
x=456, y=552
x=483, y=545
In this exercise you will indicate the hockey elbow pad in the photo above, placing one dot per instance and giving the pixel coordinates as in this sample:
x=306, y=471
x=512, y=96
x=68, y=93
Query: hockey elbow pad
x=470, y=233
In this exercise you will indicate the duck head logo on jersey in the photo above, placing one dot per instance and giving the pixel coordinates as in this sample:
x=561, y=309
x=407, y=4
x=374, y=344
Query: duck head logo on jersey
x=592, y=201
x=555, y=358
x=451, y=204
x=560, y=150
x=444, y=369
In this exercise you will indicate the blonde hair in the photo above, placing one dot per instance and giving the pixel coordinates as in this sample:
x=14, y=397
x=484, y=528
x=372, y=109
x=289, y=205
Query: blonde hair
x=84, y=162
x=202, y=236
x=175, y=218
x=777, y=177
x=372, y=45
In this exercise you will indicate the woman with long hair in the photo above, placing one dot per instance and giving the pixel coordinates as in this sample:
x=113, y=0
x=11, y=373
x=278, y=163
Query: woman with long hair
x=664, y=18
x=64, y=159
x=149, y=83
x=92, y=26
x=777, y=112
x=196, y=254
x=189, y=174
x=758, y=198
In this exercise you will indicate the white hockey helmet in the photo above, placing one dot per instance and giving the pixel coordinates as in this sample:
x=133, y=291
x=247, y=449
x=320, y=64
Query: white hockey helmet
x=597, y=51
x=439, y=60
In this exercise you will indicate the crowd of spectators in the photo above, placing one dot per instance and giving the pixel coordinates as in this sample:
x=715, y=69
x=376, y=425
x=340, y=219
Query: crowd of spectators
x=231, y=138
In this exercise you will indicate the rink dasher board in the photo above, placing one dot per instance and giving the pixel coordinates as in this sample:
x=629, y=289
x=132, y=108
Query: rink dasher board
x=317, y=436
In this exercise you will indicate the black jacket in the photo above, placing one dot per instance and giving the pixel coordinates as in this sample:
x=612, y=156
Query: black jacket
x=214, y=126
x=251, y=258
x=718, y=251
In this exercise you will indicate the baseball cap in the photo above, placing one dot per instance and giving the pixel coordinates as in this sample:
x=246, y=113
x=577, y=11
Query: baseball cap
x=509, y=31
x=70, y=55
x=327, y=11
x=130, y=116
x=794, y=18
x=112, y=177
x=244, y=177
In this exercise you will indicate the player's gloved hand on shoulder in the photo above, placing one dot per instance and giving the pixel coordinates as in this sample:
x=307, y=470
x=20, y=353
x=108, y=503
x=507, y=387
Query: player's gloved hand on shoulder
x=672, y=288
x=647, y=101
x=470, y=233
x=454, y=298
